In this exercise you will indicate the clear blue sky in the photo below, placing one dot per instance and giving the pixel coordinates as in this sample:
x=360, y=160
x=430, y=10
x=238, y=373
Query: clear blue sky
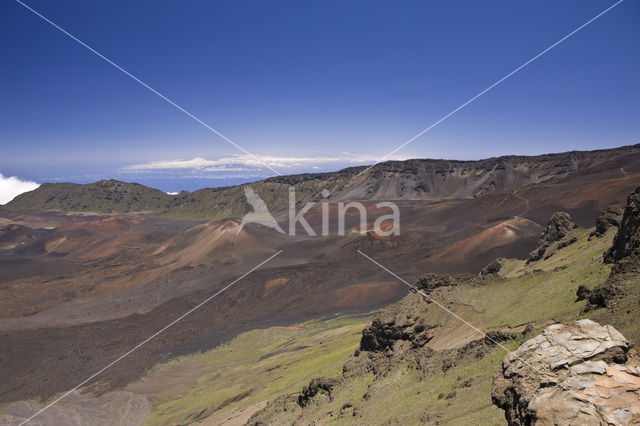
x=307, y=79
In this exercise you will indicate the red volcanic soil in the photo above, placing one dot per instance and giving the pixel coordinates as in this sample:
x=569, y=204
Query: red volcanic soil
x=368, y=294
x=204, y=243
x=96, y=237
x=605, y=193
x=583, y=195
x=109, y=225
x=502, y=234
x=111, y=247
x=352, y=215
x=385, y=226
x=218, y=243
x=275, y=283
x=75, y=256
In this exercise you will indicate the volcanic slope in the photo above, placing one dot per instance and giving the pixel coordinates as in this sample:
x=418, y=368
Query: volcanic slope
x=414, y=363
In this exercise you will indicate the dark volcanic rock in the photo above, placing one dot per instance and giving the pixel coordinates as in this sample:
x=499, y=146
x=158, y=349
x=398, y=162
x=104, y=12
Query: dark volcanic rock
x=567, y=242
x=431, y=281
x=386, y=330
x=405, y=321
x=582, y=293
x=627, y=239
x=609, y=217
x=317, y=385
x=558, y=227
x=570, y=374
x=493, y=267
x=625, y=252
x=604, y=295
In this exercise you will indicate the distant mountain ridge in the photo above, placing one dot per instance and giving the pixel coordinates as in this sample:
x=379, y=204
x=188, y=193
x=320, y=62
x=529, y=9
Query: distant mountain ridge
x=420, y=179
x=110, y=196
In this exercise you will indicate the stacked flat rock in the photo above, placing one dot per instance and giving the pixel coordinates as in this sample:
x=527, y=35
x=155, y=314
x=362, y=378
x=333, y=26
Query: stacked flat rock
x=572, y=373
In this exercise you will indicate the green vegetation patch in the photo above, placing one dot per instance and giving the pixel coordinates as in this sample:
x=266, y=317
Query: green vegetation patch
x=543, y=290
x=239, y=377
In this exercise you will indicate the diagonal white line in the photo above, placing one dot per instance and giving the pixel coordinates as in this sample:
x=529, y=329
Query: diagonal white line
x=492, y=86
x=435, y=302
x=149, y=338
x=429, y=298
x=145, y=85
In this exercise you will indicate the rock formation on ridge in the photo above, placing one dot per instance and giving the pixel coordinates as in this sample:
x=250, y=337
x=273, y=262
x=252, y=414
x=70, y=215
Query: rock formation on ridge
x=627, y=240
x=558, y=227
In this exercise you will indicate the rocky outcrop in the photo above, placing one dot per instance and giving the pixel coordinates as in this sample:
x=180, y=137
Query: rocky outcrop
x=391, y=326
x=627, y=239
x=608, y=218
x=558, y=227
x=408, y=320
x=604, y=295
x=582, y=293
x=570, y=374
x=493, y=267
x=317, y=385
x=430, y=281
x=625, y=253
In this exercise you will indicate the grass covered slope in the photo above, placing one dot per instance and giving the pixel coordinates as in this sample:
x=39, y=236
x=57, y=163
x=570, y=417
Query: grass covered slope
x=105, y=196
x=425, y=366
x=542, y=290
x=233, y=381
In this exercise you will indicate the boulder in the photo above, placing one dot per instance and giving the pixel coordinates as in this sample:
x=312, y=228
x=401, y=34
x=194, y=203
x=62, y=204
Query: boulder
x=627, y=239
x=570, y=374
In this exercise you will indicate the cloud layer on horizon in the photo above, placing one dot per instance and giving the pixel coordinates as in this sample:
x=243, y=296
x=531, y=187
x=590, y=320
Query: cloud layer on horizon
x=246, y=166
x=11, y=187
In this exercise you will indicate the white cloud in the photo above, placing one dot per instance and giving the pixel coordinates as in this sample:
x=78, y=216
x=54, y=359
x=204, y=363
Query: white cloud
x=250, y=166
x=172, y=193
x=222, y=165
x=11, y=187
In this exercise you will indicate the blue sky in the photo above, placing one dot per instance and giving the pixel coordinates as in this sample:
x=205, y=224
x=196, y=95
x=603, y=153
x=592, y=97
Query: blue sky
x=314, y=86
